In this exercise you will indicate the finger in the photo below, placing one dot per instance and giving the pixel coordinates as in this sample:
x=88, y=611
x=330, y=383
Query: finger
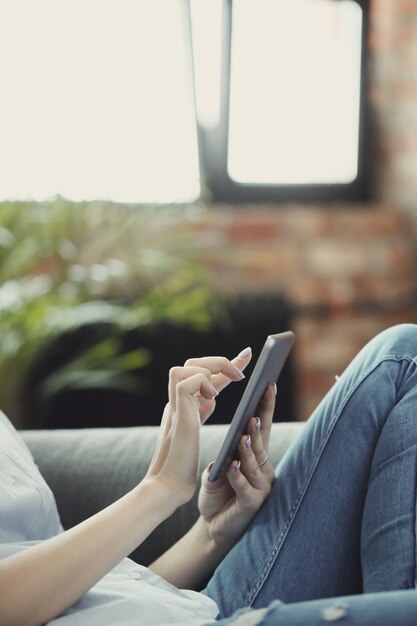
x=249, y=464
x=206, y=409
x=162, y=442
x=254, y=430
x=213, y=495
x=177, y=374
x=184, y=451
x=265, y=412
x=218, y=365
x=187, y=403
x=259, y=450
x=220, y=380
x=248, y=496
x=210, y=487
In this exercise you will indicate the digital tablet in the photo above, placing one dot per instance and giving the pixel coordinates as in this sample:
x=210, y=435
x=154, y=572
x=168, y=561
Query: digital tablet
x=267, y=370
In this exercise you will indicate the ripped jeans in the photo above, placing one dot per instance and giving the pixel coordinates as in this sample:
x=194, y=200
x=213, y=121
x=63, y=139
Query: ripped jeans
x=336, y=538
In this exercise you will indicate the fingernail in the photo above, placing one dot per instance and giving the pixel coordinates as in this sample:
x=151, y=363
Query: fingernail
x=244, y=353
x=237, y=466
x=209, y=467
x=248, y=441
x=214, y=390
x=258, y=424
x=240, y=373
x=275, y=389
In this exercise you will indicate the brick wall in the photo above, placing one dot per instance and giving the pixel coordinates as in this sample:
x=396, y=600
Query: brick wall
x=393, y=101
x=349, y=271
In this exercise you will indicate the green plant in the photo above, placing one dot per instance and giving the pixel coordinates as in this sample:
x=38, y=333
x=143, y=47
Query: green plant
x=64, y=265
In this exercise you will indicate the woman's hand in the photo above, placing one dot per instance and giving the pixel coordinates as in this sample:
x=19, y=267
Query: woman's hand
x=73, y=561
x=229, y=504
x=191, y=400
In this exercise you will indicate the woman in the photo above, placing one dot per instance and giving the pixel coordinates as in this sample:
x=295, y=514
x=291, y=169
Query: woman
x=330, y=530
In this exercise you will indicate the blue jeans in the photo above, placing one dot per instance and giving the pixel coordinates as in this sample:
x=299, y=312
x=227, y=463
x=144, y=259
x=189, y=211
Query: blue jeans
x=339, y=526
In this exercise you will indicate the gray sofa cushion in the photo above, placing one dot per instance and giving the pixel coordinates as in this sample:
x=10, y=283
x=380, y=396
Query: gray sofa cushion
x=88, y=469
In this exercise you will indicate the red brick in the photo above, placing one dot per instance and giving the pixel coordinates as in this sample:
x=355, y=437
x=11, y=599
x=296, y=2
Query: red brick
x=251, y=227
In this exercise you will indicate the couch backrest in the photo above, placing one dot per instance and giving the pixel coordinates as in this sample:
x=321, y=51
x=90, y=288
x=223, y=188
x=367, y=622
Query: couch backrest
x=87, y=469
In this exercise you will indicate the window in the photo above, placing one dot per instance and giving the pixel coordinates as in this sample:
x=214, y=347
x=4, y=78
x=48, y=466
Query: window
x=96, y=101
x=138, y=100
x=290, y=124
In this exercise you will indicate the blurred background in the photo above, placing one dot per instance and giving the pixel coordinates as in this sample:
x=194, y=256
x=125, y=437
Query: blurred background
x=184, y=177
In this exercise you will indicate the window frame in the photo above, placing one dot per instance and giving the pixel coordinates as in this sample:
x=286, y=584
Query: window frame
x=213, y=143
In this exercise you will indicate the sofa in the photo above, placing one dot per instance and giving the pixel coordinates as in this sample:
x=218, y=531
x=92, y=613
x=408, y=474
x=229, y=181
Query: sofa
x=87, y=469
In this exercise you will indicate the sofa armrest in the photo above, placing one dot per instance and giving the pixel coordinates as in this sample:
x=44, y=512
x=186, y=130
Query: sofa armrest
x=87, y=469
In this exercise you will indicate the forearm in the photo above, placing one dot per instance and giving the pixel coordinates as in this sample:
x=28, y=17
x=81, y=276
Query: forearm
x=39, y=583
x=190, y=562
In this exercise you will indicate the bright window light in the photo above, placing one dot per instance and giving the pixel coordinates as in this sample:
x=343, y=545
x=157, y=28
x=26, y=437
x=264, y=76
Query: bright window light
x=295, y=91
x=96, y=101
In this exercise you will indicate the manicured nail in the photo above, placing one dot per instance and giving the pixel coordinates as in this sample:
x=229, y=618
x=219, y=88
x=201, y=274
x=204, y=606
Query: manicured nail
x=214, y=390
x=275, y=389
x=258, y=424
x=246, y=352
x=237, y=466
x=248, y=441
x=240, y=373
x=209, y=467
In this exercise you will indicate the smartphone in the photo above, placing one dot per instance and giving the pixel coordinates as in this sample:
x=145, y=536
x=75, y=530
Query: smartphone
x=267, y=370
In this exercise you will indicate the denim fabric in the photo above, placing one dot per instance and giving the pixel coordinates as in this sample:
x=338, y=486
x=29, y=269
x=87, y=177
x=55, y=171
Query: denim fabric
x=393, y=608
x=341, y=517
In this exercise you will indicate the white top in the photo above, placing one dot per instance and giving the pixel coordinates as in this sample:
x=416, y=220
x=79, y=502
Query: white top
x=129, y=595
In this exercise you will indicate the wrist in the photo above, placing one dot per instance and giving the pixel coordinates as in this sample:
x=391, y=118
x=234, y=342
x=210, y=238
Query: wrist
x=211, y=543
x=166, y=499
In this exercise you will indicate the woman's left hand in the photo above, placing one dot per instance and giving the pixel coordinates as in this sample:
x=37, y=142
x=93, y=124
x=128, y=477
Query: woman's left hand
x=230, y=503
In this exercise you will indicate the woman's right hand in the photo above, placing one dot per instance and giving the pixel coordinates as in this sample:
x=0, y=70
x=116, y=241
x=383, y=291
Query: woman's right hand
x=191, y=400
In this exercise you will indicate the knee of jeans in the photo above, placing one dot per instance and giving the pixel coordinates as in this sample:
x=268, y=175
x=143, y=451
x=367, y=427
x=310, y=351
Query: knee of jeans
x=399, y=340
